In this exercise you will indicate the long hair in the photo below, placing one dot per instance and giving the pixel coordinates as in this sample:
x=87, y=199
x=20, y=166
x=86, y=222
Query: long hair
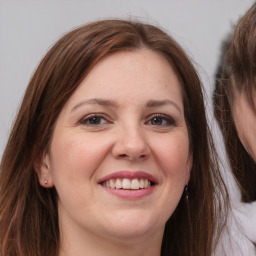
x=238, y=71
x=28, y=212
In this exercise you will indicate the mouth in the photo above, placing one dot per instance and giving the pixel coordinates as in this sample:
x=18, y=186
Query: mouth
x=129, y=182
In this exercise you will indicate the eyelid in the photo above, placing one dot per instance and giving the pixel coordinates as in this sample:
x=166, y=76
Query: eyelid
x=99, y=115
x=171, y=121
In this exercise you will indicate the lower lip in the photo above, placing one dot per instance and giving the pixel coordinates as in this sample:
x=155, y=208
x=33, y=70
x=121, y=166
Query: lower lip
x=130, y=193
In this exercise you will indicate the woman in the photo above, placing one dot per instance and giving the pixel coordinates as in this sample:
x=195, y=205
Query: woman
x=234, y=101
x=110, y=151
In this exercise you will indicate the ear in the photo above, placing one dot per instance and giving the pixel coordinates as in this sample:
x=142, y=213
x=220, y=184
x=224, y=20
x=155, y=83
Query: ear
x=189, y=167
x=43, y=169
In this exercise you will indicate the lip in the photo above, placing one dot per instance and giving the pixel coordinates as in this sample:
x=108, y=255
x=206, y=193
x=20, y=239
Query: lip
x=129, y=175
x=129, y=194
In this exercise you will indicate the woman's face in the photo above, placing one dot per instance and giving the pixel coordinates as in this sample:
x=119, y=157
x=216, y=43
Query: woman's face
x=119, y=156
x=245, y=121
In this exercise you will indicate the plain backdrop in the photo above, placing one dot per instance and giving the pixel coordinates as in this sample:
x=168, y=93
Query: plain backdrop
x=29, y=28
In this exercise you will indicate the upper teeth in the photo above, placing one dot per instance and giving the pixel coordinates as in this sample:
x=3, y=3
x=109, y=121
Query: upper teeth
x=127, y=183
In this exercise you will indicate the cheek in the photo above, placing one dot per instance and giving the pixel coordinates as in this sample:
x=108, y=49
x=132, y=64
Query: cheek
x=245, y=122
x=173, y=158
x=173, y=154
x=243, y=118
x=237, y=112
x=74, y=156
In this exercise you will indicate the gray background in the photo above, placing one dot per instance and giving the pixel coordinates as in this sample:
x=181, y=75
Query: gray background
x=29, y=28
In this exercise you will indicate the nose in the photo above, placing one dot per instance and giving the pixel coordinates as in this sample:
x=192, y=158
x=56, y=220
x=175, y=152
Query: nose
x=131, y=144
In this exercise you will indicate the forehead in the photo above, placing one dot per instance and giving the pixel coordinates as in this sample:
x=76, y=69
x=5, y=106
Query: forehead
x=127, y=74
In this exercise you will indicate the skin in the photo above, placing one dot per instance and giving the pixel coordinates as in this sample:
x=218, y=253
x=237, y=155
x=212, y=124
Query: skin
x=128, y=137
x=245, y=121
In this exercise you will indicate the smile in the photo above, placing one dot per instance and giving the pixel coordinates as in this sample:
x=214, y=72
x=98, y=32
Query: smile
x=129, y=185
x=125, y=183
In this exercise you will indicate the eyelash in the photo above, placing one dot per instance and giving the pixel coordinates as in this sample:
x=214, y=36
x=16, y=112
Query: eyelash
x=169, y=121
x=100, y=117
x=90, y=117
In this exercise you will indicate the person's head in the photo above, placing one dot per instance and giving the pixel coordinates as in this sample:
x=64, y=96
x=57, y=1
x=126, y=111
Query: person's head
x=235, y=103
x=113, y=104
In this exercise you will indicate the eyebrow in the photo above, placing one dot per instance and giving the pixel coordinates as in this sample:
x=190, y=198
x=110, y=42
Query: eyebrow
x=111, y=103
x=159, y=103
x=96, y=101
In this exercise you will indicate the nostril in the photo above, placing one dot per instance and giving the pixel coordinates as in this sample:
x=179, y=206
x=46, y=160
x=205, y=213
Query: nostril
x=127, y=156
x=131, y=150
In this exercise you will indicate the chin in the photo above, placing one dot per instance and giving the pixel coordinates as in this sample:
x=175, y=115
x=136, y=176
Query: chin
x=134, y=224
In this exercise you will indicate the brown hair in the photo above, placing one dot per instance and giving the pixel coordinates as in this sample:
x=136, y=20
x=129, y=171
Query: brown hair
x=29, y=216
x=238, y=71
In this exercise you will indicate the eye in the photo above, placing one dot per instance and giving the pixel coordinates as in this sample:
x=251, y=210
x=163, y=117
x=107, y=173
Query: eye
x=161, y=120
x=94, y=120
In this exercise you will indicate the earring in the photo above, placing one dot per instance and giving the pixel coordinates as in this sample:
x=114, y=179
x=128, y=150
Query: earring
x=45, y=182
x=186, y=192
